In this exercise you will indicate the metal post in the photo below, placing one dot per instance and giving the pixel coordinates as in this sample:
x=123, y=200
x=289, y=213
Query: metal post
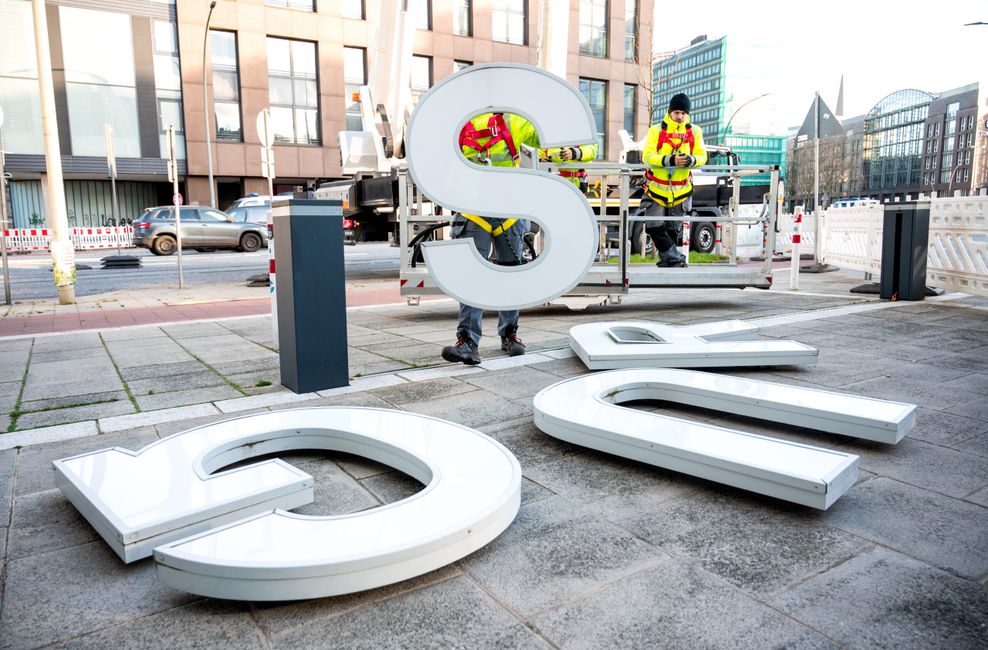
x=205, y=108
x=3, y=218
x=111, y=165
x=176, y=199
x=62, y=253
x=818, y=215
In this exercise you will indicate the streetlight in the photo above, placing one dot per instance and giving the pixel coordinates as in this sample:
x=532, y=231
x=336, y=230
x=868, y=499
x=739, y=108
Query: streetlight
x=205, y=108
x=727, y=127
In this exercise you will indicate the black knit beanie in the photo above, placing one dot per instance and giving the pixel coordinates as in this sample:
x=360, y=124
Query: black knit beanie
x=679, y=102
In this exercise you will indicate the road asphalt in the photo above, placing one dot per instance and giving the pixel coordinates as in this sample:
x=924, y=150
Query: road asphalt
x=605, y=552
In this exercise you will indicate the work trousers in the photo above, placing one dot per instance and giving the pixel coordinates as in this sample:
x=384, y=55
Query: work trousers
x=507, y=252
x=666, y=234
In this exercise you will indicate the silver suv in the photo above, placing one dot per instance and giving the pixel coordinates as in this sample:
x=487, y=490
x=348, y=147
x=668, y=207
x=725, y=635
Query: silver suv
x=202, y=228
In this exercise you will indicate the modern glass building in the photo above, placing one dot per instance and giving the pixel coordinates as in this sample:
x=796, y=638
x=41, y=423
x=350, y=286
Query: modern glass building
x=893, y=143
x=727, y=81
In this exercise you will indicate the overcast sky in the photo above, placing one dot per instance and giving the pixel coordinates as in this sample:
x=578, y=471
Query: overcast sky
x=879, y=47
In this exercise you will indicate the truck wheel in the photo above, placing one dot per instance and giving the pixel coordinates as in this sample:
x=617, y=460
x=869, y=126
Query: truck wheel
x=250, y=242
x=704, y=237
x=164, y=245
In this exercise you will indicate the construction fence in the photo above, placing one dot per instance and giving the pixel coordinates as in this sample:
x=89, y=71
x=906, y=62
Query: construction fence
x=20, y=240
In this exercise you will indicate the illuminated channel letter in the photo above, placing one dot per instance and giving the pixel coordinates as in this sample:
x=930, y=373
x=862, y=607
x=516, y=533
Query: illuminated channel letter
x=638, y=344
x=472, y=495
x=587, y=411
x=562, y=117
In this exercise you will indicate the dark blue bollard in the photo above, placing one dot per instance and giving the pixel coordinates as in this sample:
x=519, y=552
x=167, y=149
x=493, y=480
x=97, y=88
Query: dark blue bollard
x=311, y=296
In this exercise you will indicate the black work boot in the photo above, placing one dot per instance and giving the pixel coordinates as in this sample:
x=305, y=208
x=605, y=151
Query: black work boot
x=463, y=352
x=511, y=343
x=671, y=258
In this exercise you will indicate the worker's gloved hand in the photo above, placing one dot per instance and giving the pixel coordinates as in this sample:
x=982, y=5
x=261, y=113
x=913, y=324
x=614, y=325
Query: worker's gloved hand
x=566, y=153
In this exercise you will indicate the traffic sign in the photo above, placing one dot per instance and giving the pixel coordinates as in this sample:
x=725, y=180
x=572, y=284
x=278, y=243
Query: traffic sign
x=177, y=199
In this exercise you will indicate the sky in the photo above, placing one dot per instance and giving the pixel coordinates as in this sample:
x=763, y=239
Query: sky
x=878, y=46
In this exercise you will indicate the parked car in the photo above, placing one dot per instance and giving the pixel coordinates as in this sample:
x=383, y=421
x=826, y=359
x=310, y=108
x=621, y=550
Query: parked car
x=202, y=228
x=258, y=214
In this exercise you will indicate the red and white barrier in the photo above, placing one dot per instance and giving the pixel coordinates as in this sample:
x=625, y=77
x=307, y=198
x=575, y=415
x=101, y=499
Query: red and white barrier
x=39, y=239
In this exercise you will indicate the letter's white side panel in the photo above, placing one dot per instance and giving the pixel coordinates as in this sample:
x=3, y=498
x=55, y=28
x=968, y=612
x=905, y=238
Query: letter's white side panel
x=585, y=410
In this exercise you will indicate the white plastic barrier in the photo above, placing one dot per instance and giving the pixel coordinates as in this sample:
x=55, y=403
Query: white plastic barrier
x=39, y=239
x=958, y=241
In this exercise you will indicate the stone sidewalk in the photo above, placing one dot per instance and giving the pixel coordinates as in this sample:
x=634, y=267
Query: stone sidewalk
x=605, y=552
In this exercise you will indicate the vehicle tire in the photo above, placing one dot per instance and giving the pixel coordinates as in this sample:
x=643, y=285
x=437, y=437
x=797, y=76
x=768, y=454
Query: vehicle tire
x=704, y=237
x=637, y=227
x=164, y=245
x=250, y=242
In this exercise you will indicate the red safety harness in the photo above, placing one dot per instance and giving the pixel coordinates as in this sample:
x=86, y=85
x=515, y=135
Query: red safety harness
x=579, y=173
x=496, y=131
x=676, y=143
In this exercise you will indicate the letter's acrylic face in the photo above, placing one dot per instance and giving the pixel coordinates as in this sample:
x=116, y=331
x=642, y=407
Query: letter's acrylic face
x=249, y=548
x=444, y=175
x=646, y=344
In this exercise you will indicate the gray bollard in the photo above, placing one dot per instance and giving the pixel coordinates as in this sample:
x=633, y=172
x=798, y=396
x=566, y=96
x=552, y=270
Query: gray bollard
x=311, y=295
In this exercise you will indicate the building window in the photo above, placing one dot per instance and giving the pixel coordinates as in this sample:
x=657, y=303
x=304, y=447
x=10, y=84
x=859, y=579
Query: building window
x=100, y=81
x=353, y=9
x=293, y=91
x=354, y=76
x=463, y=18
x=422, y=15
x=630, y=99
x=593, y=28
x=304, y=5
x=167, y=86
x=460, y=65
x=226, y=85
x=509, y=21
x=596, y=94
x=631, y=30
x=421, y=79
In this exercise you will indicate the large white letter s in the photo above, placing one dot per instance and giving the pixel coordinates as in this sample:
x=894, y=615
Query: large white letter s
x=562, y=117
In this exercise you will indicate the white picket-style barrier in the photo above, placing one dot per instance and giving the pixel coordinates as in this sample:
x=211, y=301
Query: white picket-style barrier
x=957, y=257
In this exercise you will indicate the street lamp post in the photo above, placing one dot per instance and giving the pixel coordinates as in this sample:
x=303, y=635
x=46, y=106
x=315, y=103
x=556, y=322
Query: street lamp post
x=727, y=127
x=205, y=107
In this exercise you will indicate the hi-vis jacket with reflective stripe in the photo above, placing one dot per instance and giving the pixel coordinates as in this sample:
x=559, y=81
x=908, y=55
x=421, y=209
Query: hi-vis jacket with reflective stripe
x=667, y=184
x=582, y=153
x=494, y=139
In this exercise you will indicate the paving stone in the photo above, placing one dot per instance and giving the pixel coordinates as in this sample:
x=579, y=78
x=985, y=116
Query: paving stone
x=248, y=381
x=79, y=354
x=419, y=391
x=336, y=492
x=196, y=329
x=913, y=391
x=613, y=488
x=69, y=340
x=56, y=433
x=976, y=408
x=264, y=364
x=553, y=552
x=513, y=383
x=96, y=380
x=74, y=400
x=178, y=413
x=74, y=414
x=755, y=543
x=46, y=521
x=186, y=397
x=359, y=467
x=283, y=618
x=975, y=445
x=125, y=336
x=8, y=460
x=943, y=428
x=9, y=388
x=35, y=472
x=201, y=379
x=471, y=409
x=568, y=367
x=345, y=399
x=452, y=614
x=4, y=422
x=946, y=532
x=918, y=463
x=529, y=444
x=392, y=486
x=161, y=370
x=672, y=606
x=39, y=610
x=207, y=623
x=881, y=599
